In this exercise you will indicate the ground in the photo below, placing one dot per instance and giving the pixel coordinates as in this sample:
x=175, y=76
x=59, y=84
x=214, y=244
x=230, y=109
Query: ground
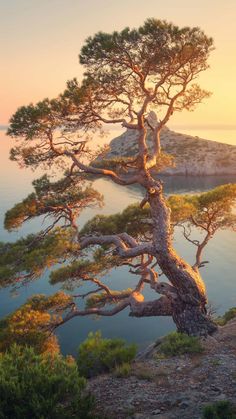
x=176, y=387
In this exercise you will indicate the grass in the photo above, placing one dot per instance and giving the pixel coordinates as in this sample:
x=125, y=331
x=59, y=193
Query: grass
x=139, y=370
x=123, y=370
x=142, y=372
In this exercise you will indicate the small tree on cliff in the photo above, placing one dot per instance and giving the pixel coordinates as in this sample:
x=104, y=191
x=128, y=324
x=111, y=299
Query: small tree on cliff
x=127, y=75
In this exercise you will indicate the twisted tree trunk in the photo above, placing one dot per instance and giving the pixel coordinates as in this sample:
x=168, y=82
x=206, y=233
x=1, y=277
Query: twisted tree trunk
x=188, y=293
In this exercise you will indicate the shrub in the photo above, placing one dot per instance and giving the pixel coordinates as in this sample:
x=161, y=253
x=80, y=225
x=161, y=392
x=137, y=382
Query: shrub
x=220, y=410
x=179, y=343
x=97, y=355
x=39, y=387
x=229, y=315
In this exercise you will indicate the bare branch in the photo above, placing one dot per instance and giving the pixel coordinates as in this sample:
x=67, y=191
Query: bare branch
x=119, y=244
x=92, y=311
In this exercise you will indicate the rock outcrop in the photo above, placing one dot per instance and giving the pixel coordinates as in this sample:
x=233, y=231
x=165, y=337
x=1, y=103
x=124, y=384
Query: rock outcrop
x=193, y=156
x=172, y=388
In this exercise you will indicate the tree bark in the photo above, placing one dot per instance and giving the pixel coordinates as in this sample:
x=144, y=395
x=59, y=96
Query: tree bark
x=192, y=320
x=160, y=307
x=189, y=306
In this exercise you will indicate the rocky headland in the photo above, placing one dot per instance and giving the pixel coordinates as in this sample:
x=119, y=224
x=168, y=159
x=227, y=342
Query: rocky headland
x=173, y=388
x=193, y=156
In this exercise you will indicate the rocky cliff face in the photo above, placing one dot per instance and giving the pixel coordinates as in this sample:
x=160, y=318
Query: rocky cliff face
x=193, y=155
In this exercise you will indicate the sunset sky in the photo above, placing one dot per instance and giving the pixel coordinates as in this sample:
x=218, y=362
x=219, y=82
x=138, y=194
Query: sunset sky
x=40, y=41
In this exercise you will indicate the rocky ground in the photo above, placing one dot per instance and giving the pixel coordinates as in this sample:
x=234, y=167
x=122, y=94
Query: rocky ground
x=176, y=387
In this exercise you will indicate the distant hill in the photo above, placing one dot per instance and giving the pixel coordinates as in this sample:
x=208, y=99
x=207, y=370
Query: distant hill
x=193, y=155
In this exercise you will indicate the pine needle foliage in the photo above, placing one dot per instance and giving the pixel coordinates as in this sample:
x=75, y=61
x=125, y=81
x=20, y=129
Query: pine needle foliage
x=31, y=324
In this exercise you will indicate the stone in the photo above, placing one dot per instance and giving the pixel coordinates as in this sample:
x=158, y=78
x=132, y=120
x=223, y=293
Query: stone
x=215, y=388
x=184, y=404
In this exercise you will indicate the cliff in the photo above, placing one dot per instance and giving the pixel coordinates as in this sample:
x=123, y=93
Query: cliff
x=193, y=155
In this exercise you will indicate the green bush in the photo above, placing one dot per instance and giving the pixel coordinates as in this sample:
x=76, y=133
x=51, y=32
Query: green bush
x=229, y=315
x=39, y=387
x=179, y=343
x=220, y=410
x=97, y=355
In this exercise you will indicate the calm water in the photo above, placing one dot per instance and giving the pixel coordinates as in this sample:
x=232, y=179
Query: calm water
x=219, y=275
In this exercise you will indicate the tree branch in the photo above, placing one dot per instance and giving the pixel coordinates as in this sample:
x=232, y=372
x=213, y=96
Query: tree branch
x=92, y=311
x=121, y=246
x=160, y=307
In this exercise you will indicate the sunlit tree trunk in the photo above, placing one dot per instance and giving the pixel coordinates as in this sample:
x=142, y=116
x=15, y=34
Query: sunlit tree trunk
x=188, y=297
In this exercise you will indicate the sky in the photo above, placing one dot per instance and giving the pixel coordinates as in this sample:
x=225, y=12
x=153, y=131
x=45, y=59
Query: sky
x=40, y=41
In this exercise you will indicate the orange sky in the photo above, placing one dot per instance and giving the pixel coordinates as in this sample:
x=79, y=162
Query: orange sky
x=40, y=41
